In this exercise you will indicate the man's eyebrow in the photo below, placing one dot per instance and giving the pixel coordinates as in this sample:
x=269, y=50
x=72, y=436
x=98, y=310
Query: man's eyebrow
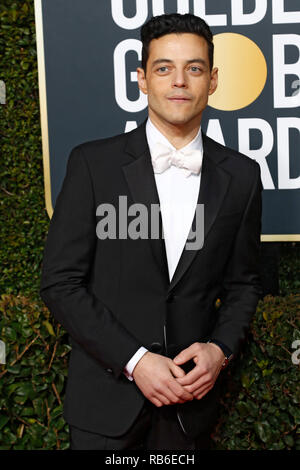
x=169, y=61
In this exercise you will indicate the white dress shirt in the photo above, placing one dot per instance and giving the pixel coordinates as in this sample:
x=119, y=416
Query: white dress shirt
x=178, y=197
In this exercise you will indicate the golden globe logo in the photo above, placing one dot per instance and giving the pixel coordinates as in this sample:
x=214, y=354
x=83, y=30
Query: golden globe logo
x=242, y=72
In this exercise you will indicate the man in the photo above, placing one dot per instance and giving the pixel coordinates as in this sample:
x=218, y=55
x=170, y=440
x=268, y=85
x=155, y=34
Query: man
x=148, y=339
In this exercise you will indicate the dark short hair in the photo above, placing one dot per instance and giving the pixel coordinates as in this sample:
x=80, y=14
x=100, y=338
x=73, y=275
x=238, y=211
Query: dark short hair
x=161, y=25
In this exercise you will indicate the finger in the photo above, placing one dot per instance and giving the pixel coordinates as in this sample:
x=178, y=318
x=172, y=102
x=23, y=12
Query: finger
x=177, y=398
x=180, y=392
x=185, y=355
x=175, y=393
x=191, y=377
x=162, y=398
x=209, y=383
x=176, y=387
x=169, y=394
x=176, y=370
x=203, y=381
x=203, y=392
x=156, y=402
x=165, y=394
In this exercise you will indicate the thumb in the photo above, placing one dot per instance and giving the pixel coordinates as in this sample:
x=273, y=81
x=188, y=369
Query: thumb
x=176, y=370
x=183, y=356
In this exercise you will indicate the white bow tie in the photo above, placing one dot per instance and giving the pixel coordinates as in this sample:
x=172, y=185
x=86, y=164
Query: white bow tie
x=163, y=157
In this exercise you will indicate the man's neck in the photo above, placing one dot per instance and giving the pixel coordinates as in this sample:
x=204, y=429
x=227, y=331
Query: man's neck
x=178, y=135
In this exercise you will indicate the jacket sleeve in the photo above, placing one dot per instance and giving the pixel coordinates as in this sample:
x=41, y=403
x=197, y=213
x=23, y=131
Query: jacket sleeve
x=241, y=287
x=68, y=257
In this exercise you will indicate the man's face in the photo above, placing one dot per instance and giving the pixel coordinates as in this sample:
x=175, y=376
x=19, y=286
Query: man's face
x=178, y=79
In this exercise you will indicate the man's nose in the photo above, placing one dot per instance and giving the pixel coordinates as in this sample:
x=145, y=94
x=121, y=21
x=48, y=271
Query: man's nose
x=179, y=79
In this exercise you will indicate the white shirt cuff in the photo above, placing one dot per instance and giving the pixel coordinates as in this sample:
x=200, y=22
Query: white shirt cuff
x=133, y=362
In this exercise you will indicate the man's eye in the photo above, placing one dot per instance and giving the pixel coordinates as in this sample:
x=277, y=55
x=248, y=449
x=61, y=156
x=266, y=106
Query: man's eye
x=195, y=68
x=163, y=69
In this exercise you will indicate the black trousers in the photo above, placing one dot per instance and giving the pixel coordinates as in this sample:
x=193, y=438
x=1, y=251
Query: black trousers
x=154, y=429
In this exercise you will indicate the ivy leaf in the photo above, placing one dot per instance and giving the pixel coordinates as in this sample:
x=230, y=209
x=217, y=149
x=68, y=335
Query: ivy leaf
x=289, y=440
x=263, y=430
x=49, y=327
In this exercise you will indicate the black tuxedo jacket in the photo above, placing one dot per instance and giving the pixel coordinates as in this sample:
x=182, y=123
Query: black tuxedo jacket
x=114, y=295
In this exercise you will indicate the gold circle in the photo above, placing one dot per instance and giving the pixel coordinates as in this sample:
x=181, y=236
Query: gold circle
x=242, y=72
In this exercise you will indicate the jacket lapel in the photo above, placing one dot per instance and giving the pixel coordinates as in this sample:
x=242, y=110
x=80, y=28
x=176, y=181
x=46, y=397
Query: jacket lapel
x=141, y=181
x=213, y=187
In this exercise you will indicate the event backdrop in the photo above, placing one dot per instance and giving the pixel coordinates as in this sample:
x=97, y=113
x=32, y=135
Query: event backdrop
x=88, y=52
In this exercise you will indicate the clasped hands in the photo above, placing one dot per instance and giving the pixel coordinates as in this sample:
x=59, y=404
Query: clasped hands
x=164, y=382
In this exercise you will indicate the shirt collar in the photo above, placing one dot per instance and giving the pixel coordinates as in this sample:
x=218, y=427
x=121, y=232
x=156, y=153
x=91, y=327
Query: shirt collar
x=155, y=136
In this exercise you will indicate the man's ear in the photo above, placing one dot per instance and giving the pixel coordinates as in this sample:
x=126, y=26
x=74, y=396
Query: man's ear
x=142, y=82
x=213, y=80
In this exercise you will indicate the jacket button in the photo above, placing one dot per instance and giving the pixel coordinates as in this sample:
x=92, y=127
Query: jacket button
x=156, y=347
x=108, y=370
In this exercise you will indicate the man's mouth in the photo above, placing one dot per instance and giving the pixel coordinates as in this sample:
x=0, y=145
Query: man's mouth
x=178, y=98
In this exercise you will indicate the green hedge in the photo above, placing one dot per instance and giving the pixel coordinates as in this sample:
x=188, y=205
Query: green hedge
x=32, y=383
x=24, y=221
x=260, y=404
x=260, y=408
x=33, y=379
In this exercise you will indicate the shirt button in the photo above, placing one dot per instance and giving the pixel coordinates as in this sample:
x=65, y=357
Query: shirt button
x=156, y=347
